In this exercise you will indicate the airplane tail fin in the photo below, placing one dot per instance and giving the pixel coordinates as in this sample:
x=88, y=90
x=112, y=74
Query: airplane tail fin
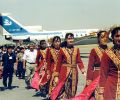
x=10, y=25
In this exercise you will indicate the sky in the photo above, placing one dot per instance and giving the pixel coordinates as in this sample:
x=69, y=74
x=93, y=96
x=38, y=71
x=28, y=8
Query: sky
x=64, y=14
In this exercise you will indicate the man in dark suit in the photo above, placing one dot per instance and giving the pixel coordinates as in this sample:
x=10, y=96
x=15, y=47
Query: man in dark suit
x=8, y=60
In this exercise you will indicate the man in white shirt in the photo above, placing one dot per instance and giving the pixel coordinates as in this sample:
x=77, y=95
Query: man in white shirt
x=29, y=64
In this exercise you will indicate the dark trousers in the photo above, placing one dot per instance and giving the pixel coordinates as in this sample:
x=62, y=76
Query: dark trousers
x=20, y=70
x=7, y=74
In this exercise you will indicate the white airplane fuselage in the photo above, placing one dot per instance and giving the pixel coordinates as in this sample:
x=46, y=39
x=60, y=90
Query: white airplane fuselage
x=11, y=28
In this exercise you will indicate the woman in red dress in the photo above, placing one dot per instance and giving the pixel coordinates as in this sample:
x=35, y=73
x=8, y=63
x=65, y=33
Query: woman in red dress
x=110, y=70
x=42, y=75
x=52, y=61
x=69, y=59
x=95, y=59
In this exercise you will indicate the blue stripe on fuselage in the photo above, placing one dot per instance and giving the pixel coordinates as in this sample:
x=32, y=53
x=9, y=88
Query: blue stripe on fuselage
x=42, y=33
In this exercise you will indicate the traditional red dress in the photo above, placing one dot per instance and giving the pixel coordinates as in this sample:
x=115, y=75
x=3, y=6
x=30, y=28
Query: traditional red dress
x=110, y=75
x=52, y=61
x=40, y=76
x=93, y=65
x=93, y=70
x=68, y=78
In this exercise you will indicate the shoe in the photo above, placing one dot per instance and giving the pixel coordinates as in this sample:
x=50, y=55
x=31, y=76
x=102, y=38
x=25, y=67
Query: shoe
x=47, y=97
x=5, y=87
x=2, y=89
x=28, y=87
x=38, y=94
x=43, y=95
x=9, y=87
x=23, y=77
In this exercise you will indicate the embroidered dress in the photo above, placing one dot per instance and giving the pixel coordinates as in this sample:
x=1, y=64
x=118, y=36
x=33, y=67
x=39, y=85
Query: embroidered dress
x=68, y=78
x=94, y=67
x=52, y=66
x=110, y=75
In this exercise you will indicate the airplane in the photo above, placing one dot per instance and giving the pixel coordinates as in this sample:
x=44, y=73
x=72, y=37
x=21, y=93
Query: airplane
x=12, y=29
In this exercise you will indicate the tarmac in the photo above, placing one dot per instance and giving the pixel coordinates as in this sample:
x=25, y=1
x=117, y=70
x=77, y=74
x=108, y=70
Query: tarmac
x=20, y=93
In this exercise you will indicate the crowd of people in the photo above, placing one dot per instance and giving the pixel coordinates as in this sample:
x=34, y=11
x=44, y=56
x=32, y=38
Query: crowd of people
x=53, y=71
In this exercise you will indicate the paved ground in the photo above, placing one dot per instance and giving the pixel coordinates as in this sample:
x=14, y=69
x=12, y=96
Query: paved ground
x=20, y=93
